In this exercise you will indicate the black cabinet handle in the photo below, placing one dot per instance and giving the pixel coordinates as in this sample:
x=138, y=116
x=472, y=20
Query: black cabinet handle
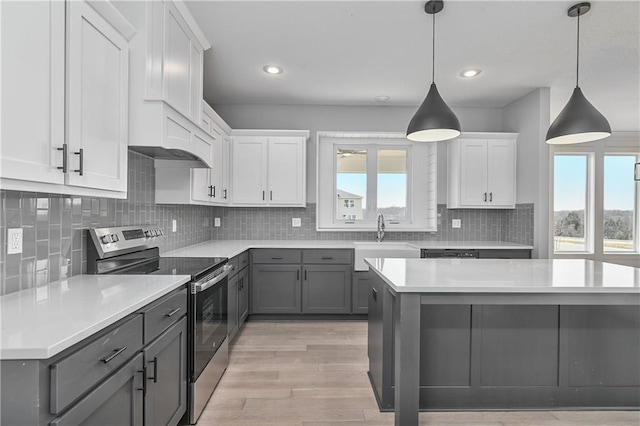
x=327, y=258
x=144, y=381
x=262, y=195
x=65, y=154
x=210, y=190
x=116, y=352
x=213, y=194
x=80, y=171
x=374, y=294
x=305, y=274
x=298, y=275
x=491, y=196
x=276, y=258
x=485, y=197
x=270, y=195
x=224, y=191
x=155, y=370
x=172, y=313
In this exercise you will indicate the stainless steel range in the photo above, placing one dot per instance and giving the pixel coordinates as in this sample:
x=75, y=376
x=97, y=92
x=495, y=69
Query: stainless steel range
x=134, y=250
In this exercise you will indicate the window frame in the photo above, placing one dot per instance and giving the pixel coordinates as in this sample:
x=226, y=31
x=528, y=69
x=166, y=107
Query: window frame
x=421, y=211
x=620, y=144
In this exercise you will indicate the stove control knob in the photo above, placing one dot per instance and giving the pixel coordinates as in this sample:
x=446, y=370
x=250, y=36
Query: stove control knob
x=147, y=233
x=154, y=232
x=115, y=238
x=105, y=239
x=160, y=232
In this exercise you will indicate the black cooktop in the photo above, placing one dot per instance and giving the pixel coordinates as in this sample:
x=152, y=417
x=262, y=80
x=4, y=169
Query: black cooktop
x=194, y=266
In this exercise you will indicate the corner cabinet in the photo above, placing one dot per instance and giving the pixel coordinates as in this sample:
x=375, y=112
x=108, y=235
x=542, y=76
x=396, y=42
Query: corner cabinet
x=482, y=171
x=65, y=104
x=269, y=168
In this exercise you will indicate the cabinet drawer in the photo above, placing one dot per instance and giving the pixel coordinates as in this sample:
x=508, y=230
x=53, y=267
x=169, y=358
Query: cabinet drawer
x=276, y=256
x=321, y=256
x=162, y=314
x=234, y=261
x=77, y=373
x=243, y=260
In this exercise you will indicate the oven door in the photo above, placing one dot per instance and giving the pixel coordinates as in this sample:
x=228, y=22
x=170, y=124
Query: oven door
x=209, y=320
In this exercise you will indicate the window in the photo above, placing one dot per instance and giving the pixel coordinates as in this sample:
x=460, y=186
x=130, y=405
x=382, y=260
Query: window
x=596, y=201
x=363, y=175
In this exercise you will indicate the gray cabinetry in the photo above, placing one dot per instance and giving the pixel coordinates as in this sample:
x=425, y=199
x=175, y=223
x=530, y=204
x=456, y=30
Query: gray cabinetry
x=116, y=401
x=232, y=307
x=243, y=295
x=361, y=287
x=504, y=254
x=326, y=289
x=276, y=289
x=166, y=363
x=238, y=293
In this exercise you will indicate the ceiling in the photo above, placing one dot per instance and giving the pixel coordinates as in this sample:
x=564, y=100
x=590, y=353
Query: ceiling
x=349, y=52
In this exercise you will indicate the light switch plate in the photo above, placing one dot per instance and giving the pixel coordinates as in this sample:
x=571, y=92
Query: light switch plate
x=216, y=222
x=456, y=223
x=296, y=222
x=174, y=225
x=14, y=241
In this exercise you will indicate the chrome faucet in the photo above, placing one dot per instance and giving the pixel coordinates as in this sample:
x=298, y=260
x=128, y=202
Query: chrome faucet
x=380, y=236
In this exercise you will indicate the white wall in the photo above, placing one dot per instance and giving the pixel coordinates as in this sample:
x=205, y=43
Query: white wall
x=530, y=116
x=350, y=118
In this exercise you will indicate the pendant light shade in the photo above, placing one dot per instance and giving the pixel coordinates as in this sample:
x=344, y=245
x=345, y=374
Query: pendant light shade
x=579, y=121
x=434, y=120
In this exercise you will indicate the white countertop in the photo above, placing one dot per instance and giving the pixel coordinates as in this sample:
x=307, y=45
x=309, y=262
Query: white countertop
x=552, y=276
x=230, y=248
x=41, y=322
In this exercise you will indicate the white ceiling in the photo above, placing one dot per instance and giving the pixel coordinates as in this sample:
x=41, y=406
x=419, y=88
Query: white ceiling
x=349, y=52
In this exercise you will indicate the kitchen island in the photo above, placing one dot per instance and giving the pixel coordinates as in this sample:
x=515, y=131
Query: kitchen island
x=473, y=334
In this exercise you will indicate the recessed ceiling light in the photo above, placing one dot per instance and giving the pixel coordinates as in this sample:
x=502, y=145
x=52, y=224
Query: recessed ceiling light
x=470, y=73
x=272, y=69
x=382, y=98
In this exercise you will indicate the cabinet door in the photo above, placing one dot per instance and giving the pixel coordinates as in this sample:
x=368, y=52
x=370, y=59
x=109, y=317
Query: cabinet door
x=232, y=313
x=177, y=61
x=97, y=100
x=360, y=293
x=286, y=170
x=200, y=182
x=226, y=169
x=473, y=173
x=326, y=289
x=501, y=176
x=249, y=170
x=166, y=363
x=117, y=401
x=216, y=168
x=32, y=79
x=275, y=289
x=243, y=296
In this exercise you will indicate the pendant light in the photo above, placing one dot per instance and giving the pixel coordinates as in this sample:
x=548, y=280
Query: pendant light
x=579, y=121
x=434, y=120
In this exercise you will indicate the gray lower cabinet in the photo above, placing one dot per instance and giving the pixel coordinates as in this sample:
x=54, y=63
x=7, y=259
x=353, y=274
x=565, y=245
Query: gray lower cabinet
x=326, y=289
x=504, y=254
x=117, y=401
x=276, y=289
x=243, y=296
x=166, y=363
x=232, y=309
x=360, y=294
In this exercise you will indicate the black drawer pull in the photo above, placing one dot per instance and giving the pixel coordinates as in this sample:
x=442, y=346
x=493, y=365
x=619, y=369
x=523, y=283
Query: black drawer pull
x=491, y=197
x=276, y=258
x=172, y=313
x=225, y=194
x=144, y=381
x=65, y=154
x=298, y=275
x=305, y=274
x=80, y=170
x=116, y=352
x=327, y=258
x=374, y=294
x=155, y=370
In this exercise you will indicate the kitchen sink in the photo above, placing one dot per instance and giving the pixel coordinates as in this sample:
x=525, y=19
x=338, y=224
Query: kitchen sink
x=384, y=249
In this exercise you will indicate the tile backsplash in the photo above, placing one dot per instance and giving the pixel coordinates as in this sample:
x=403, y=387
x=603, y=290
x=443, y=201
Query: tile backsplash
x=253, y=223
x=55, y=226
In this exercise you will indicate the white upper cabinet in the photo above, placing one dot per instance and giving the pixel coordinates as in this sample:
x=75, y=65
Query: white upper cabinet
x=481, y=171
x=269, y=168
x=167, y=82
x=49, y=87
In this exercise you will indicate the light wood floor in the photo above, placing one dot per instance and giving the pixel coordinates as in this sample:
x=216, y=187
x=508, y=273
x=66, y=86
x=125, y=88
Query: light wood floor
x=315, y=373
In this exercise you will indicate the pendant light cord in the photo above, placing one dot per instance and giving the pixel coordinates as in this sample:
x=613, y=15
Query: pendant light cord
x=433, y=50
x=578, y=52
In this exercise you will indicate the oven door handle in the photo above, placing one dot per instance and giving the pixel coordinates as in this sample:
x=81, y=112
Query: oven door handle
x=198, y=287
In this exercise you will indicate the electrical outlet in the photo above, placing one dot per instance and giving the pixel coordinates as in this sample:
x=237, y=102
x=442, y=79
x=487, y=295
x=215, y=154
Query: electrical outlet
x=296, y=222
x=216, y=222
x=456, y=223
x=14, y=241
x=174, y=225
